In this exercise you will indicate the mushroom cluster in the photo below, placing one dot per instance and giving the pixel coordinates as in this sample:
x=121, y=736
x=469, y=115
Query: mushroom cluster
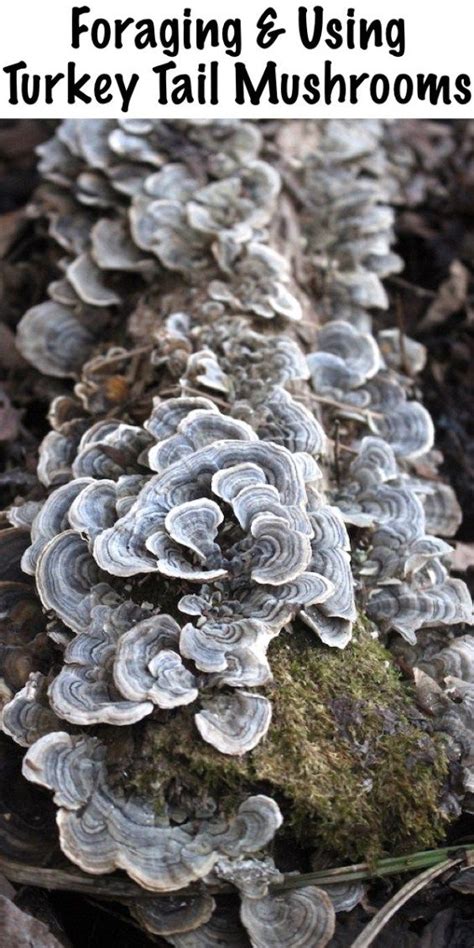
x=404, y=570
x=121, y=208
x=237, y=452
x=349, y=223
x=239, y=540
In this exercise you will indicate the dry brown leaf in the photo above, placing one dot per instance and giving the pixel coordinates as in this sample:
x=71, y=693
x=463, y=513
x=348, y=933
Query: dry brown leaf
x=463, y=557
x=10, y=227
x=451, y=297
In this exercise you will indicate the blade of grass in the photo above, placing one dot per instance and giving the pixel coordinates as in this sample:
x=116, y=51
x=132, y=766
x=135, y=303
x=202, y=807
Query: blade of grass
x=378, y=922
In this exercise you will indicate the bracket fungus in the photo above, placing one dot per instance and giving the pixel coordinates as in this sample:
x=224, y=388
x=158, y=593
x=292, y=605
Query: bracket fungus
x=303, y=918
x=148, y=666
x=237, y=464
x=100, y=832
x=174, y=914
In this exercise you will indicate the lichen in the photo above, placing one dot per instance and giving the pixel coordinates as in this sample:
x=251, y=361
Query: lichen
x=348, y=757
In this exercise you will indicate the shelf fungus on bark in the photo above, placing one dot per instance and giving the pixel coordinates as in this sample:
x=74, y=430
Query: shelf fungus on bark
x=173, y=915
x=345, y=895
x=259, y=283
x=148, y=666
x=84, y=692
x=67, y=578
x=53, y=339
x=302, y=918
x=434, y=599
x=100, y=832
x=224, y=928
x=445, y=689
x=234, y=724
x=27, y=717
x=456, y=660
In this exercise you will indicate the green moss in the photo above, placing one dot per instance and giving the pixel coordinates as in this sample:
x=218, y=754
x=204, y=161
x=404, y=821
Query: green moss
x=346, y=758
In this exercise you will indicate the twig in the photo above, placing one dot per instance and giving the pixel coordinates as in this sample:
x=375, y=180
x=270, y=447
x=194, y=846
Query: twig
x=61, y=880
x=364, y=413
x=390, y=866
x=401, y=336
x=337, y=467
x=127, y=354
x=111, y=887
x=370, y=932
x=412, y=287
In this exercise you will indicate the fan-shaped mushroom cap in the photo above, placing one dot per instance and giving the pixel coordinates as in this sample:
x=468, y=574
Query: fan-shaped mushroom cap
x=257, y=284
x=398, y=512
x=280, y=554
x=56, y=455
x=161, y=227
x=401, y=352
x=406, y=610
x=202, y=368
x=101, y=832
x=211, y=644
x=66, y=576
x=236, y=723
x=22, y=515
x=442, y=511
x=172, y=915
x=93, y=190
x=330, y=375
x=94, y=508
x=453, y=709
x=89, y=139
x=237, y=204
x=113, y=248
x=422, y=550
x=223, y=930
x=71, y=228
x=252, y=828
x=292, y=425
x=250, y=502
x=197, y=430
x=174, y=181
x=110, y=449
x=457, y=660
x=409, y=429
x=56, y=162
x=358, y=350
x=84, y=691
x=334, y=614
x=88, y=282
x=375, y=463
x=194, y=525
x=167, y=415
x=148, y=667
x=330, y=545
x=229, y=482
x=123, y=549
x=275, y=605
x=53, y=340
x=26, y=718
x=345, y=895
x=52, y=518
x=302, y=918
